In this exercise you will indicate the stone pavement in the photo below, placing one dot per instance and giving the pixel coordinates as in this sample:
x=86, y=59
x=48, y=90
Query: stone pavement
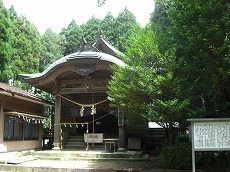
x=23, y=162
x=69, y=166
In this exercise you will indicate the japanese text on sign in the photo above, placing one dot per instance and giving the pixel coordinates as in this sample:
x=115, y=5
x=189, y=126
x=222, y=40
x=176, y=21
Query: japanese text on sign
x=212, y=135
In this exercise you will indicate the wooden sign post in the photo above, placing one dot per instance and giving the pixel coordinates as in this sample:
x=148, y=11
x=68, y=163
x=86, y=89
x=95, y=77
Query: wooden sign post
x=209, y=134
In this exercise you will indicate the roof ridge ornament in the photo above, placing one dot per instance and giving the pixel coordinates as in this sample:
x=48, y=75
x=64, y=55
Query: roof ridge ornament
x=87, y=47
x=103, y=36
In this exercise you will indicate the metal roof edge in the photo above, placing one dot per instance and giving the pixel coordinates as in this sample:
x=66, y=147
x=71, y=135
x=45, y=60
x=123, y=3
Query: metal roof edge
x=208, y=119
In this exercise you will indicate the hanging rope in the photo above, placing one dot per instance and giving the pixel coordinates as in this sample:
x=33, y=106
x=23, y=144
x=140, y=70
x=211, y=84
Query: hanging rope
x=79, y=104
x=93, y=105
x=103, y=116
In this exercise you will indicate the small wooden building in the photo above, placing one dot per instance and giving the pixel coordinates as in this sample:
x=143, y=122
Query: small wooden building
x=21, y=117
x=79, y=83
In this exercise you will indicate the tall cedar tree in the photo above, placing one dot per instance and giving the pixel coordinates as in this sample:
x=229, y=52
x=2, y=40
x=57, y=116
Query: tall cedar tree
x=5, y=37
x=107, y=27
x=72, y=36
x=125, y=26
x=26, y=46
x=51, y=49
x=91, y=29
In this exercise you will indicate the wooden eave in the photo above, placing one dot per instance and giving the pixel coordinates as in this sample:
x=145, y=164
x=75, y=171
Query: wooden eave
x=7, y=91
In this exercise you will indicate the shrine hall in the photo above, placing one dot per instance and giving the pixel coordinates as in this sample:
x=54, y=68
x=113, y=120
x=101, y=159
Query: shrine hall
x=79, y=82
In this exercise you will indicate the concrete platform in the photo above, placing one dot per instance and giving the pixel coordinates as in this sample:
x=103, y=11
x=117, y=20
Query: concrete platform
x=89, y=155
x=68, y=161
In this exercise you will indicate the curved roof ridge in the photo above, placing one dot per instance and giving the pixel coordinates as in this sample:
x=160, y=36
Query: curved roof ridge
x=78, y=55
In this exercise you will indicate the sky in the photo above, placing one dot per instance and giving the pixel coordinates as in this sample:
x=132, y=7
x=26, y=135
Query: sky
x=57, y=14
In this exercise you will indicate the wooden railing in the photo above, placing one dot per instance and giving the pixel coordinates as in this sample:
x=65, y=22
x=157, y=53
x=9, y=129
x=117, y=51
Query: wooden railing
x=65, y=131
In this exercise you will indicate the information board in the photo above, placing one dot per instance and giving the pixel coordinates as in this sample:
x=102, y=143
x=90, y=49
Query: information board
x=212, y=135
x=209, y=134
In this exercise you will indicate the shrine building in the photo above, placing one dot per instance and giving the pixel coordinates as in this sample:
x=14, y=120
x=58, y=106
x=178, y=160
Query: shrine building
x=79, y=82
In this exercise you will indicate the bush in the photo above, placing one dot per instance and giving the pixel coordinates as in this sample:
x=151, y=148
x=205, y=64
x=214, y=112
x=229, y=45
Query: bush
x=213, y=160
x=177, y=156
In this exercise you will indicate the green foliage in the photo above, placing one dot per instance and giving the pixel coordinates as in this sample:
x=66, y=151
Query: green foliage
x=118, y=30
x=47, y=122
x=5, y=38
x=101, y=2
x=147, y=87
x=26, y=46
x=48, y=110
x=125, y=26
x=197, y=33
x=91, y=29
x=72, y=38
x=215, y=161
x=51, y=49
x=177, y=156
x=107, y=26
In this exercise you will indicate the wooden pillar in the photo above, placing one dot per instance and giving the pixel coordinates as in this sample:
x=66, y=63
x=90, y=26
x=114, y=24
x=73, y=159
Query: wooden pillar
x=121, y=143
x=57, y=121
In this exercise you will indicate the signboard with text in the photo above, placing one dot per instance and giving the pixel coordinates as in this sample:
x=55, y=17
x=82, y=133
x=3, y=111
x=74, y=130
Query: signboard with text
x=211, y=135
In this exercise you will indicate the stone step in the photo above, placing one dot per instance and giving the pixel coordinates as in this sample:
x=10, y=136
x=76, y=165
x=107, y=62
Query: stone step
x=76, y=137
x=92, y=155
x=74, y=143
x=21, y=159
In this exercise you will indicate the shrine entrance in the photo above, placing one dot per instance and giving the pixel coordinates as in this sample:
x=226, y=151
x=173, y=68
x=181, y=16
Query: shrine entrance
x=92, y=108
x=88, y=120
x=79, y=83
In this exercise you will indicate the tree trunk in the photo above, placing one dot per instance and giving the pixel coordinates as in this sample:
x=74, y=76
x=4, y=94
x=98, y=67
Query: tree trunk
x=171, y=134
